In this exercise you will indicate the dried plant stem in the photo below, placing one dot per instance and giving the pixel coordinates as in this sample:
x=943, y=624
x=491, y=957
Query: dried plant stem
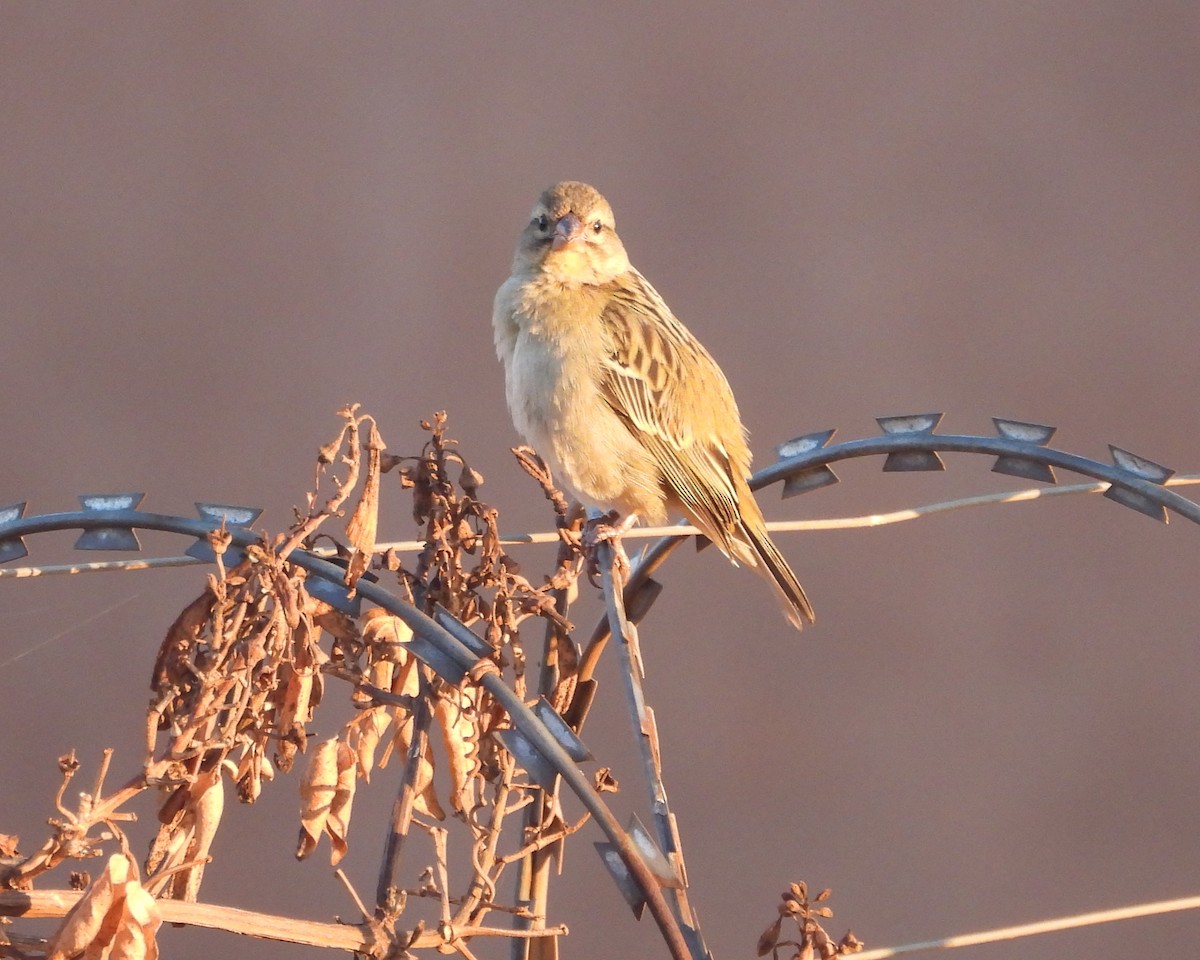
x=533, y=880
x=56, y=903
x=547, y=839
x=352, y=893
x=402, y=809
x=537, y=857
x=352, y=460
x=443, y=872
x=486, y=866
x=154, y=884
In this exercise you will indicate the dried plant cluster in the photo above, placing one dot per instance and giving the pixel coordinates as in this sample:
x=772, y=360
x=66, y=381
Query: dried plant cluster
x=243, y=671
x=813, y=940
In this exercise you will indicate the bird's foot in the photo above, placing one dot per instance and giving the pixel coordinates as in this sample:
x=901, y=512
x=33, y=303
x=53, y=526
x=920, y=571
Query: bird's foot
x=607, y=528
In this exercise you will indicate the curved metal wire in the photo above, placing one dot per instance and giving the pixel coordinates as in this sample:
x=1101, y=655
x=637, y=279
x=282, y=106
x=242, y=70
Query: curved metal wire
x=910, y=444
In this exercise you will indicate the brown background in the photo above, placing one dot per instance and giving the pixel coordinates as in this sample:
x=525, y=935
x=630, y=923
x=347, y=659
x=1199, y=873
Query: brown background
x=220, y=221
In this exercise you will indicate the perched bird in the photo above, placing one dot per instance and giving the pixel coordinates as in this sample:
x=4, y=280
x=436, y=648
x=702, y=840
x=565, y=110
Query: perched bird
x=628, y=409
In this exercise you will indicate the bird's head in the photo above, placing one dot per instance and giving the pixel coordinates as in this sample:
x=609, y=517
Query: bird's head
x=572, y=237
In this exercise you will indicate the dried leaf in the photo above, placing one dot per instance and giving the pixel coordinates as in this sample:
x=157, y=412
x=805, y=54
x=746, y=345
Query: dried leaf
x=203, y=818
x=365, y=732
x=604, y=781
x=338, y=823
x=406, y=681
x=135, y=938
x=458, y=719
x=181, y=638
x=251, y=772
x=173, y=807
x=317, y=790
x=426, y=800
x=294, y=711
x=285, y=755
x=190, y=817
x=334, y=622
x=360, y=563
x=770, y=937
x=381, y=627
x=327, y=796
x=364, y=522
x=328, y=452
x=470, y=480
x=167, y=846
x=88, y=919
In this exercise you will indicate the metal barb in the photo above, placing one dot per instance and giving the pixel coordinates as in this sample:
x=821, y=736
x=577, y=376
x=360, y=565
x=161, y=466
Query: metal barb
x=643, y=599
x=1140, y=466
x=111, y=501
x=804, y=444
x=529, y=758
x=910, y=423
x=14, y=511
x=12, y=548
x=911, y=461
x=566, y=737
x=1143, y=469
x=652, y=856
x=114, y=537
x=1039, y=435
x=629, y=888
x=1138, y=502
x=230, y=516
x=809, y=480
x=462, y=633
x=1024, y=468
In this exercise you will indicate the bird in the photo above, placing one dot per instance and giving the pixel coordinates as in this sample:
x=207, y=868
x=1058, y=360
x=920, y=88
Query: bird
x=628, y=409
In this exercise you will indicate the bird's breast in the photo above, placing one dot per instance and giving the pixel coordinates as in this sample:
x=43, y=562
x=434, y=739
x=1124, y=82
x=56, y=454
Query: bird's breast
x=554, y=347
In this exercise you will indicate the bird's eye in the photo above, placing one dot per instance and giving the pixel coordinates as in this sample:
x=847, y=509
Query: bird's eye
x=598, y=227
x=541, y=221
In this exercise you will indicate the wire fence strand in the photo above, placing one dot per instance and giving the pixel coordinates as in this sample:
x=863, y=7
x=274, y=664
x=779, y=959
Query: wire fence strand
x=1033, y=929
x=674, y=530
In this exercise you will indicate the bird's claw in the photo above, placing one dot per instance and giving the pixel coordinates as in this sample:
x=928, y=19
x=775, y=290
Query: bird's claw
x=606, y=529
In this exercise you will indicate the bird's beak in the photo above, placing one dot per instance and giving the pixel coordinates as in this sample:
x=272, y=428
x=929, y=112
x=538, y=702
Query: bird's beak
x=568, y=229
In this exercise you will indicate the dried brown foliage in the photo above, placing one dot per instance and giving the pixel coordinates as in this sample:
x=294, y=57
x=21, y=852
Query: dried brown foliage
x=116, y=918
x=243, y=671
x=242, y=674
x=807, y=913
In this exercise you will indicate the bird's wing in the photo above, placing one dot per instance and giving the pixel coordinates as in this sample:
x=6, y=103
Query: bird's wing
x=676, y=402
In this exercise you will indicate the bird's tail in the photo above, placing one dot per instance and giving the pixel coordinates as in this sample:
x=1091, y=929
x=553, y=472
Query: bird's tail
x=746, y=542
x=775, y=570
